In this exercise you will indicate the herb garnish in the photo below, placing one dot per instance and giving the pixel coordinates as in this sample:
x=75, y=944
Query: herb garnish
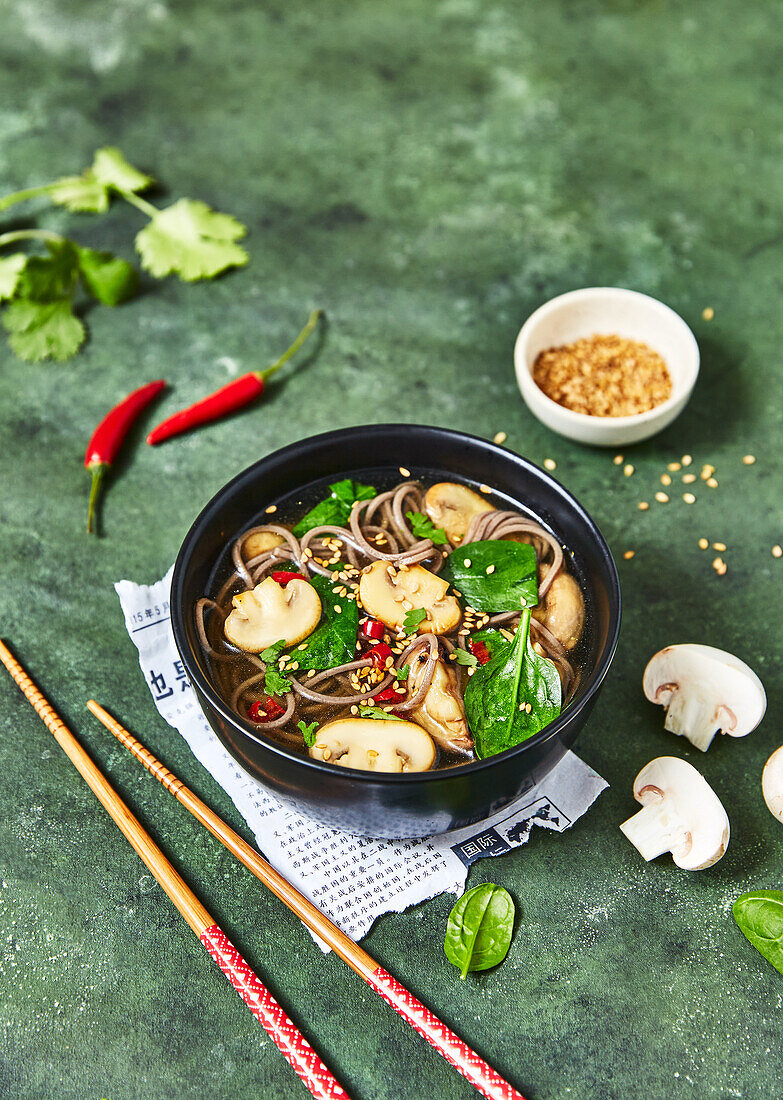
x=377, y=712
x=462, y=657
x=500, y=692
x=186, y=239
x=759, y=915
x=307, y=730
x=479, y=929
x=275, y=683
x=402, y=673
x=335, y=511
x=423, y=528
x=495, y=575
x=413, y=618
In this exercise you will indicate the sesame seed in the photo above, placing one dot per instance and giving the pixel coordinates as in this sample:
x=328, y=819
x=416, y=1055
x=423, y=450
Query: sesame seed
x=674, y=467
x=665, y=479
x=618, y=460
x=642, y=505
x=748, y=460
x=338, y=609
x=661, y=498
x=271, y=508
x=689, y=498
x=712, y=483
x=550, y=464
x=708, y=313
x=686, y=460
x=717, y=563
x=484, y=489
x=629, y=554
x=467, y=563
x=707, y=471
x=405, y=472
x=500, y=437
x=688, y=479
x=777, y=551
x=720, y=546
x=354, y=709
x=490, y=569
x=703, y=544
x=628, y=470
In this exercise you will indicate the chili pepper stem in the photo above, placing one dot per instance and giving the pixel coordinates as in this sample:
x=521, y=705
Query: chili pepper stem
x=312, y=321
x=98, y=471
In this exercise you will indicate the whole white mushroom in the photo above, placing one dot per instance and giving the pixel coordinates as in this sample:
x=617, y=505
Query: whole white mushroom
x=772, y=783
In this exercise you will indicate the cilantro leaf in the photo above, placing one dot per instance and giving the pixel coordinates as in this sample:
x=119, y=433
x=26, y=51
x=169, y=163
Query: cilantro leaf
x=90, y=192
x=272, y=654
x=402, y=673
x=52, y=277
x=336, y=509
x=376, y=712
x=413, y=618
x=462, y=657
x=106, y=277
x=423, y=528
x=110, y=168
x=43, y=330
x=11, y=268
x=307, y=730
x=190, y=240
x=275, y=682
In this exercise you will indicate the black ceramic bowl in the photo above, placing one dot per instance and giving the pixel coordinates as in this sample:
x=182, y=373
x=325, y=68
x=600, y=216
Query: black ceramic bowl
x=379, y=804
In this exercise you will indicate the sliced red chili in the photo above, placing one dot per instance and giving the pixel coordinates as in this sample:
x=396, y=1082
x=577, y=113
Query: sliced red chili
x=379, y=654
x=388, y=695
x=373, y=628
x=480, y=652
x=265, y=710
x=284, y=577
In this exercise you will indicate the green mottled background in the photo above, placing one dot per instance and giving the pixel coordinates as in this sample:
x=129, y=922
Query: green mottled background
x=429, y=173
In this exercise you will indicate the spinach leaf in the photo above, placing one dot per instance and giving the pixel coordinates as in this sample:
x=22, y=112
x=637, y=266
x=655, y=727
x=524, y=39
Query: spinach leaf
x=307, y=730
x=423, y=528
x=759, y=915
x=336, y=509
x=496, y=575
x=500, y=692
x=412, y=619
x=479, y=929
x=334, y=641
x=378, y=712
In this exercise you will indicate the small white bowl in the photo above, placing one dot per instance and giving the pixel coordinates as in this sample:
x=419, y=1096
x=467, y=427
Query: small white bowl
x=607, y=310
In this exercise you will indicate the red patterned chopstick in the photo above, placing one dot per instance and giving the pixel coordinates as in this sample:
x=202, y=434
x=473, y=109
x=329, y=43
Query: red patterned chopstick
x=488, y=1082
x=283, y=1032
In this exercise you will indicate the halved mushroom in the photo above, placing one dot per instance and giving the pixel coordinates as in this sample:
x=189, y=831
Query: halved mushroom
x=563, y=610
x=375, y=745
x=270, y=613
x=705, y=691
x=681, y=814
x=772, y=783
x=260, y=542
x=441, y=711
x=388, y=594
x=452, y=507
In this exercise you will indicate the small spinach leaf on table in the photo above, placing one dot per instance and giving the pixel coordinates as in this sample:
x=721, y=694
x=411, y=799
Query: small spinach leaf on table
x=759, y=915
x=333, y=642
x=336, y=509
x=510, y=584
x=499, y=693
x=479, y=929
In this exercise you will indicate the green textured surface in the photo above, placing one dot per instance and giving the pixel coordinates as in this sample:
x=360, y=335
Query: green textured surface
x=428, y=173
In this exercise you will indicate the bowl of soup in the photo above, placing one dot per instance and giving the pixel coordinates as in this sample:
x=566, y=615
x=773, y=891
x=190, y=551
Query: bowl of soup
x=397, y=629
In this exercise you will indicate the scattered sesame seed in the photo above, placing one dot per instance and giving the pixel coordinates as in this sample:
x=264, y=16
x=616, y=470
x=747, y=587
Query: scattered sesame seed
x=629, y=554
x=467, y=563
x=708, y=313
x=271, y=508
x=777, y=551
x=628, y=470
x=662, y=498
x=686, y=460
x=405, y=472
x=707, y=470
x=490, y=569
x=618, y=460
x=720, y=546
x=748, y=460
x=674, y=467
x=550, y=464
x=717, y=563
x=642, y=505
x=689, y=498
x=712, y=483
x=484, y=489
x=338, y=609
x=703, y=544
x=665, y=479
x=688, y=479
x=354, y=709
x=500, y=437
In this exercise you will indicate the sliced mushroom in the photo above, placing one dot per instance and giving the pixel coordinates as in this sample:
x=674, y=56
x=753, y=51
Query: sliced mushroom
x=261, y=542
x=389, y=594
x=681, y=814
x=270, y=613
x=563, y=610
x=705, y=691
x=375, y=745
x=441, y=711
x=772, y=783
x=453, y=506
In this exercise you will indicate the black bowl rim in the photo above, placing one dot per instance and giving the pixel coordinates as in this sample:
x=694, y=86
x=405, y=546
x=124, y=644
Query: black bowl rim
x=294, y=450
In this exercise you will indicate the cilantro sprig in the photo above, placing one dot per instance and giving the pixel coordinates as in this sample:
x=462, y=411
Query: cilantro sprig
x=275, y=682
x=308, y=732
x=423, y=528
x=413, y=618
x=43, y=293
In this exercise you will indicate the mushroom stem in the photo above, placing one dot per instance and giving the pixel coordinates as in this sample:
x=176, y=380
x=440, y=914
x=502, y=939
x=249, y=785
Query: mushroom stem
x=655, y=830
x=691, y=716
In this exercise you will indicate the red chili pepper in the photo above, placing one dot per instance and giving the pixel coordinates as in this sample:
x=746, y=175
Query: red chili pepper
x=373, y=628
x=229, y=398
x=379, y=654
x=265, y=711
x=106, y=440
x=480, y=652
x=283, y=577
x=389, y=695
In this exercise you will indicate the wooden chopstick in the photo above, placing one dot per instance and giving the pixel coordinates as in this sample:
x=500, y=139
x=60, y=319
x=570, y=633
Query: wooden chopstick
x=284, y=1033
x=446, y=1042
